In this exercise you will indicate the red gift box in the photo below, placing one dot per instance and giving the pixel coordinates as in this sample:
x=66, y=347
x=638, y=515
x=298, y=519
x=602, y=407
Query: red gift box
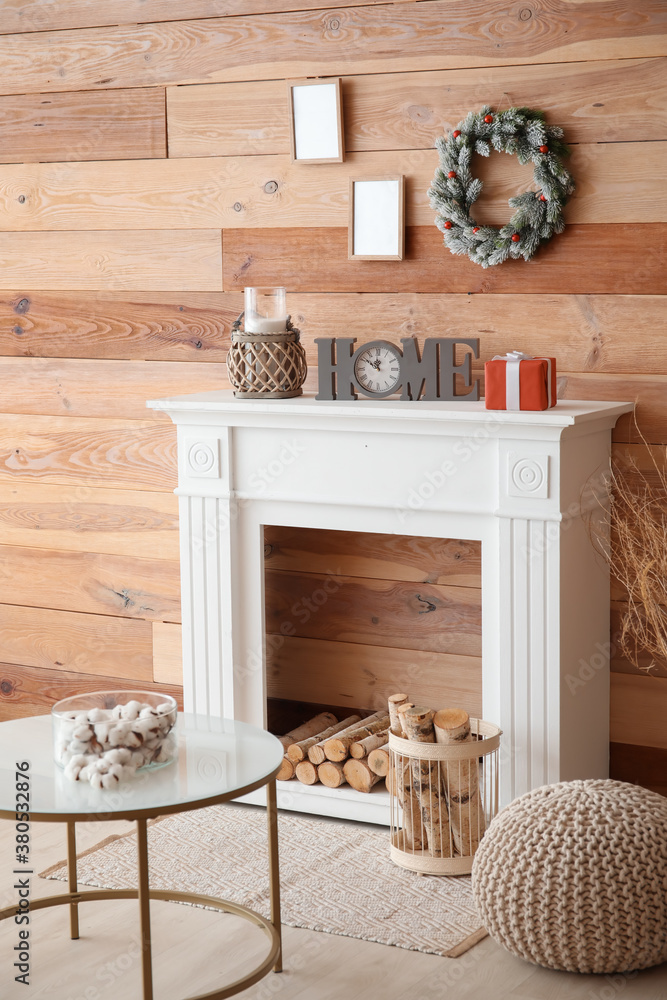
x=519, y=381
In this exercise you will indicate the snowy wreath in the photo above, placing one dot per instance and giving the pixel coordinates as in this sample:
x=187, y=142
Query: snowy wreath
x=538, y=214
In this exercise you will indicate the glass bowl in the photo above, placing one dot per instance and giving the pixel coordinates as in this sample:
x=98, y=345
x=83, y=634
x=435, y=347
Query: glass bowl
x=90, y=725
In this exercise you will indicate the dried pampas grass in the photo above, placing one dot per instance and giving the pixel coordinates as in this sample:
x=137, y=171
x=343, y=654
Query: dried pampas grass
x=632, y=535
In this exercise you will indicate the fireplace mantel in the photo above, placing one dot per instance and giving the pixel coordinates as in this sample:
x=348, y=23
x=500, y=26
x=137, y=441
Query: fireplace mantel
x=519, y=482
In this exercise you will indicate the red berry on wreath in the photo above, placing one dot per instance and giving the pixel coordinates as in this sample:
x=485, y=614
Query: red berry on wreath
x=448, y=224
x=544, y=149
x=542, y=198
x=475, y=229
x=516, y=238
x=452, y=173
x=488, y=119
x=456, y=134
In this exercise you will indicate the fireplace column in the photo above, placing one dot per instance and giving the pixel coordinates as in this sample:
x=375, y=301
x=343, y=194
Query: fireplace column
x=554, y=614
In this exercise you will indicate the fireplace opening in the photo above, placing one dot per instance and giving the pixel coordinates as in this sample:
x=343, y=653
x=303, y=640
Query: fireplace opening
x=352, y=617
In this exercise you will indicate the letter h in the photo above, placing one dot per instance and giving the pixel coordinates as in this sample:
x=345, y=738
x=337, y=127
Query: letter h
x=334, y=367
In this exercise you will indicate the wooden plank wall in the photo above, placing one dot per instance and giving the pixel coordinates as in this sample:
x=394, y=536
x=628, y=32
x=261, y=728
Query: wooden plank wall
x=145, y=179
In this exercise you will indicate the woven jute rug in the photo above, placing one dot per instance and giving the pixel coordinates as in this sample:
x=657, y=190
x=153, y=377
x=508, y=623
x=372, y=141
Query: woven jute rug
x=334, y=877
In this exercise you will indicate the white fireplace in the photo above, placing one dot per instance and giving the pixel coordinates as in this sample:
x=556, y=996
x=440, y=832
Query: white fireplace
x=519, y=482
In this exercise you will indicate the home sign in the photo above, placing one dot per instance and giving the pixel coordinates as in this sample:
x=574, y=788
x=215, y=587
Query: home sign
x=379, y=368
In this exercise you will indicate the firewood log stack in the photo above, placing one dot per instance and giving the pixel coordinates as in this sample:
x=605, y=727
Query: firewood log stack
x=442, y=813
x=334, y=752
x=314, y=725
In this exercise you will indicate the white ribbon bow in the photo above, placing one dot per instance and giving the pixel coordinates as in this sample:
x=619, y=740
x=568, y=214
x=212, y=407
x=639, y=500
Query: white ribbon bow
x=513, y=379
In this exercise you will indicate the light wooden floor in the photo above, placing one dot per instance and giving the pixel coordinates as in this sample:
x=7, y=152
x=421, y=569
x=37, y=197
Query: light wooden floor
x=196, y=951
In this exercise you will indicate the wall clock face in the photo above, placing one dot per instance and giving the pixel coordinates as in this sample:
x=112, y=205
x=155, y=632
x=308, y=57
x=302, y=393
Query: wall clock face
x=377, y=368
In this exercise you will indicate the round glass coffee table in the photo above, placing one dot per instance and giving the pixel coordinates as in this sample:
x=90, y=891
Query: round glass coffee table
x=218, y=760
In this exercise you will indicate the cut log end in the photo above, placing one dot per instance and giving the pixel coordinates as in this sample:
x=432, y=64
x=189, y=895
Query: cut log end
x=286, y=770
x=378, y=761
x=306, y=772
x=418, y=724
x=331, y=774
x=452, y=725
x=359, y=775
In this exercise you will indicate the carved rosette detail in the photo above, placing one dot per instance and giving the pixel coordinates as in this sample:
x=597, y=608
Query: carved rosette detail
x=527, y=475
x=203, y=459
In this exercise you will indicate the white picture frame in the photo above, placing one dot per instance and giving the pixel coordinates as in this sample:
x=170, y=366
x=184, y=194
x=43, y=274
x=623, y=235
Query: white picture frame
x=316, y=121
x=376, y=228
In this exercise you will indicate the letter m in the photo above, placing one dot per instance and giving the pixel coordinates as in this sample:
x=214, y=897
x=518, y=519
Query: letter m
x=420, y=374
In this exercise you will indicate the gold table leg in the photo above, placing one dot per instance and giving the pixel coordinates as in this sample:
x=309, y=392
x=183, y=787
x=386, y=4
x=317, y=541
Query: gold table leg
x=274, y=870
x=144, y=910
x=71, y=879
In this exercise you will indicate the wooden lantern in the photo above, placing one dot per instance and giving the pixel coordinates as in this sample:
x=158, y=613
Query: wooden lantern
x=267, y=365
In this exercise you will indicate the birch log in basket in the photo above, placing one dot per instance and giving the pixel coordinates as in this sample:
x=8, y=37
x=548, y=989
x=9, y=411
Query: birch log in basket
x=442, y=795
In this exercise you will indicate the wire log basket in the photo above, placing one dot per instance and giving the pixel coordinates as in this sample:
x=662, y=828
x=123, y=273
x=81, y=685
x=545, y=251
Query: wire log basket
x=442, y=798
x=266, y=365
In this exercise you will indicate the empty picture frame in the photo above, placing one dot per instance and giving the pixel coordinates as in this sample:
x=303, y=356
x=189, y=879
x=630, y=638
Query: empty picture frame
x=316, y=121
x=376, y=228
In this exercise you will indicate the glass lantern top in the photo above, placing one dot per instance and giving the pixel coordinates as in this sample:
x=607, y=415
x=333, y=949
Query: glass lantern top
x=265, y=310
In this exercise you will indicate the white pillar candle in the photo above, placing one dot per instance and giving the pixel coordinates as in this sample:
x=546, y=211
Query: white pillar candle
x=258, y=324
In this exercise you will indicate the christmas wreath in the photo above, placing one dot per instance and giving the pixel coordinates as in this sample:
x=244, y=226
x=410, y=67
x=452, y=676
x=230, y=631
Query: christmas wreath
x=538, y=214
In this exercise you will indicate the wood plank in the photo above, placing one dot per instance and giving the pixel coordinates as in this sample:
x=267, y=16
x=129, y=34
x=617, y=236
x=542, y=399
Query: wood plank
x=650, y=461
x=392, y=111
x=331, y=606
x=596, y=101
x=26, y=690
x=88, y=125
x=639, y=765
x=638, y=710
x=36, y=15
x=375, y=556
x=100, y=388
x=80, y=643
x=83, y=453
x=90, y=582
x=167, y=653
x=353, y=675
x=107, y=388
x=590, y=331
x=136, y=326
x=150, y=261
x=441, y=34
x=234, y=119
x=648, y=392
x=120, y=522
x=237, y=192
x=620, y=259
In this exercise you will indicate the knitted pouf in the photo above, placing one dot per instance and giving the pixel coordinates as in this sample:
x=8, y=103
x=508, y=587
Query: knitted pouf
x=574, y=876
